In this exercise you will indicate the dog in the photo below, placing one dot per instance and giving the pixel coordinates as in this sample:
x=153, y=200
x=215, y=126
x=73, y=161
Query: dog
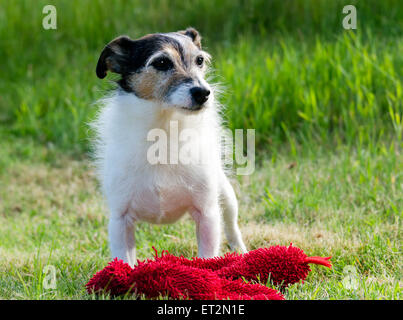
x=162, y=82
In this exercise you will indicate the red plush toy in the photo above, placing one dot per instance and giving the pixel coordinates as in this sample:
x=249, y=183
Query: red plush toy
x=207, y=279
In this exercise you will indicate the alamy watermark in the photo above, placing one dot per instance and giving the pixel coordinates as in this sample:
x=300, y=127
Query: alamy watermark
x=350, y=20
x=350, y=280
x=187, y=146
x=50, y=20
x=49, y=280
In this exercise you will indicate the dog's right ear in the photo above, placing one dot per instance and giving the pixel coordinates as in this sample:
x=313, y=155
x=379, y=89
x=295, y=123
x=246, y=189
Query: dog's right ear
x=115, y=56
x=193, y=34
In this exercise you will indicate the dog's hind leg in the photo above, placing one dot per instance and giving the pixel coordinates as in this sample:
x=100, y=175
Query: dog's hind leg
x=121, y=238
x=230, y=215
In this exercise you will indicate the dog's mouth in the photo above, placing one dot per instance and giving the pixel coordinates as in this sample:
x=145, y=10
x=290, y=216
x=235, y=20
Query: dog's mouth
x=195, y=105
x=194, y=108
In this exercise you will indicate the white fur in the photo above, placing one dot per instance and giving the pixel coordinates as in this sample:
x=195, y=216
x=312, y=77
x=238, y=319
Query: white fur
x=161, y=193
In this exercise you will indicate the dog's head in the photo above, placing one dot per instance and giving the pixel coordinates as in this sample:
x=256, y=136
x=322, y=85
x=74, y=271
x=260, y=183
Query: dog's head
x=168, y=68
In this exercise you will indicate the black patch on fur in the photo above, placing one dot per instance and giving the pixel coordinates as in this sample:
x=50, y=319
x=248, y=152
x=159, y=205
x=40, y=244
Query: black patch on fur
x=126, y=56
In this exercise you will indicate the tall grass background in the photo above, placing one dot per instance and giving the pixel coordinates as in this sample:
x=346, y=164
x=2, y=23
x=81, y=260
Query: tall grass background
x=289, y=68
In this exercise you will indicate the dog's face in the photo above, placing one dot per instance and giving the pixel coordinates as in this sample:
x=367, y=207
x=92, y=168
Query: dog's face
x=168, y=68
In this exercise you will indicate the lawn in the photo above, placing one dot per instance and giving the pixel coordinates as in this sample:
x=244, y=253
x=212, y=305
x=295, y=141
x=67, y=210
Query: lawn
x=340, y=202
x=326, y=104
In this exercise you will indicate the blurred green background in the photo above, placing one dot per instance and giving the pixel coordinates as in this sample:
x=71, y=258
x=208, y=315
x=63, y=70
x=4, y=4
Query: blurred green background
x=289, y=68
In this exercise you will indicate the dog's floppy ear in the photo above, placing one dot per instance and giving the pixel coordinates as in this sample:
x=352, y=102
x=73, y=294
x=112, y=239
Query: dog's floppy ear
x=194, y=35
x=114, y=56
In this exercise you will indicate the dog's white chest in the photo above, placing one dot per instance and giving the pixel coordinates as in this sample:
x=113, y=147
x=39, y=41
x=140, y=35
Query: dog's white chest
x=156, y=191
x=163, y=202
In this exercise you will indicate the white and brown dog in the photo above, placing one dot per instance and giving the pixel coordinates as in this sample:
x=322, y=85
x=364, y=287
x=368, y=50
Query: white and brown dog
x=162, y=82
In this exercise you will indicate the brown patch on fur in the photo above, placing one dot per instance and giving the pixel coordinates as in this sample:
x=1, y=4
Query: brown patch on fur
x=144, y=84
x=153, y=85
x=174, y=54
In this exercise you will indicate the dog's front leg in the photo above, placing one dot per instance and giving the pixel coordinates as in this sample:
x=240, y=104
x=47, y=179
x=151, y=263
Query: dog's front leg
x=208, y=230
x=230, y=216
x=121, y=238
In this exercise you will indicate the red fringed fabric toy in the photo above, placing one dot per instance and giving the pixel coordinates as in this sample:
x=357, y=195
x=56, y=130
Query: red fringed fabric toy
x=208, y=279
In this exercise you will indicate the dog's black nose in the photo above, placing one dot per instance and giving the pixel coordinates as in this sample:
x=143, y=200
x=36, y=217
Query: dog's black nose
x=199, y=94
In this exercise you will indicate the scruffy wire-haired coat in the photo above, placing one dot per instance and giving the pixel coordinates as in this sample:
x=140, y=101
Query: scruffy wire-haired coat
x=162, y=90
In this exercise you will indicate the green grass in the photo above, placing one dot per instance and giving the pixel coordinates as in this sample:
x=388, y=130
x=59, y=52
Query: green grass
x=326, y=104
x=342, y=203
x=347, y=88
x=289, y=70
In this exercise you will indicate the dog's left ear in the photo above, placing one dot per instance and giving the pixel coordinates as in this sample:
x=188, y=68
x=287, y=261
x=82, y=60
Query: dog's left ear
x=194, y=35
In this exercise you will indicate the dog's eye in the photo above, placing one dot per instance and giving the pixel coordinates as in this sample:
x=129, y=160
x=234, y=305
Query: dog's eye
x=162, y=64
x=199, y=61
